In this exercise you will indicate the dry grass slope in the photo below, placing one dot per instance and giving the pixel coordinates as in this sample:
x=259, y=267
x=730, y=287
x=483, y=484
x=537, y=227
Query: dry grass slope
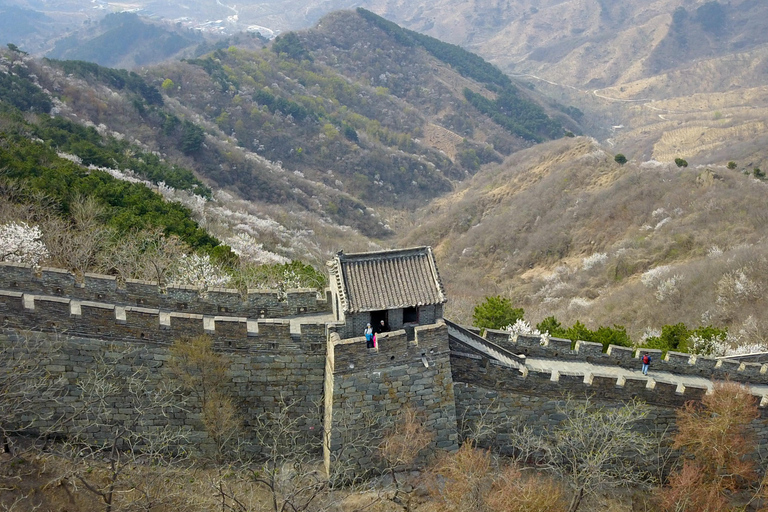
x=565, y=231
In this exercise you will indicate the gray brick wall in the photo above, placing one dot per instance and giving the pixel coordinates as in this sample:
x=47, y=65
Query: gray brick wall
x=369, y=385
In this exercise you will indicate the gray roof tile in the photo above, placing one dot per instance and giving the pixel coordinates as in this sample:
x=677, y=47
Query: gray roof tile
x=394, y=279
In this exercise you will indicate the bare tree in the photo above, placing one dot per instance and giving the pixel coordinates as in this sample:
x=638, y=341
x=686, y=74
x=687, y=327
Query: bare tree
x=481, y=424
x=77, y=244
x=283, y=461
x=148, y=254
x=400, y=449
x=204, y=374
x=593, y=448
x=122, y=433
x=714, y=437
x=26, y=385
x=159, y=254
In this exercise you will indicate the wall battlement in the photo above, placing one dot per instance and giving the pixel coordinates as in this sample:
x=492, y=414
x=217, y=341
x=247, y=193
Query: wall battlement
x=214, y=301
x=629, y=358
x=150, y=325
x=472, y=369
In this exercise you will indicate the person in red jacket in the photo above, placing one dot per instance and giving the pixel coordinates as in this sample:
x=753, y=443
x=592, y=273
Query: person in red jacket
x=646, y=362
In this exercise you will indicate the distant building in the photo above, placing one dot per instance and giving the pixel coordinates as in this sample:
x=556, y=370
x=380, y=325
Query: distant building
x=401, y=287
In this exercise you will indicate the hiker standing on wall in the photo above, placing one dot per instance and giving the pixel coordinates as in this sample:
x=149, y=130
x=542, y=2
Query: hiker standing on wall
x=368, y=336
x=646, y=362
x=382, y=327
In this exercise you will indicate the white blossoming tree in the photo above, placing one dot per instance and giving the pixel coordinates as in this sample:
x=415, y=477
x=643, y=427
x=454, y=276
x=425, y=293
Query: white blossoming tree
x=523, y=328
x=198, y=270
x=22, y=243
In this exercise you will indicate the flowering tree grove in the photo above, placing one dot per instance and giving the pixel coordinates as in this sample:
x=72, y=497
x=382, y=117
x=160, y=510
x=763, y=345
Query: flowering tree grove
x=22, y=243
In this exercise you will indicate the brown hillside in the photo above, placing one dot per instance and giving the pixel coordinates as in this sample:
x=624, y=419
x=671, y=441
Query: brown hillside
x=566, y=231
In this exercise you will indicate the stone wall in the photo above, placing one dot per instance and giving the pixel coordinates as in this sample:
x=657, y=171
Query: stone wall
x=365, y=389
x=625, y=357
x=187, y=299
x=336, y=386
x=508, y=398
x=260, y=381
x=131, y=323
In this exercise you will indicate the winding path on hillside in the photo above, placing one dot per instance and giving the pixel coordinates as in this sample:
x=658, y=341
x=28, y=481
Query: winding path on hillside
x=596, y=93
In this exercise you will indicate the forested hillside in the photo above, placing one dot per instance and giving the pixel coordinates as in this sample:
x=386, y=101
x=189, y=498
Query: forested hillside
x=289, y=152
x=342, y=122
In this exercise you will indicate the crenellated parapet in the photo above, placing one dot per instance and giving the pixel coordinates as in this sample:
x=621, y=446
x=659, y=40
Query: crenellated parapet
x=112, y=322
x=212, y=301
x=472, y=369
x=629, y=358
x=505, y=400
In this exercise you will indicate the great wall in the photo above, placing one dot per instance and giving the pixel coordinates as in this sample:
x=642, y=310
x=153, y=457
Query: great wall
x=306, y=350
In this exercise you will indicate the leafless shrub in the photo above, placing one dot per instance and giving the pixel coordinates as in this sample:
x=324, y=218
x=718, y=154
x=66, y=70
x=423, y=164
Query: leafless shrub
x=26, y=384
x=204, y=374
x=593, y=448
x=471, y=480
x=400, y=448
x=122, y=425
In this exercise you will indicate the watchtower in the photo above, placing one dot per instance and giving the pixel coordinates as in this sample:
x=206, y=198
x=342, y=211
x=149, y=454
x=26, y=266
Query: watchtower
x=401, y=287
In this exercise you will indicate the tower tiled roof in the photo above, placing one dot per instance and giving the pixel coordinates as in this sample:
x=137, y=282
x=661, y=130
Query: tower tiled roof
x=374, y=281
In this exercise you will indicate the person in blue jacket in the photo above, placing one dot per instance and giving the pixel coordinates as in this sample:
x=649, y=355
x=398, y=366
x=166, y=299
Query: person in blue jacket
x=368, y=336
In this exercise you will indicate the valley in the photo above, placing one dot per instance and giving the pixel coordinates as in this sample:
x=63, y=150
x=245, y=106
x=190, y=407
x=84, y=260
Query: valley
x=596, y=171
x=344, y=135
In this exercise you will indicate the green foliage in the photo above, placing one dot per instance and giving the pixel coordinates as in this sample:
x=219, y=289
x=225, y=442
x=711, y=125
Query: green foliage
x=279, y=276
x=731, y=165
x=757, y=173
x=673, y=337
x=616, y=335
x=350, y=133
x=17, y=89
x=290, y=45
x=552, y=326
x=278, y=103
x=16, y=49
x=620, y=159
x=115, y=78
x=707, y=337
x=192, y=137
x=517, y=115
x=223, y=256
x=87, y=144
x=572, y=111
x=468, y=159
x=681, y=162
x=496, y=313
x=214, y=68
x=168, y=84
x=466, y=63
x=472, y=156
x=39, y=172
